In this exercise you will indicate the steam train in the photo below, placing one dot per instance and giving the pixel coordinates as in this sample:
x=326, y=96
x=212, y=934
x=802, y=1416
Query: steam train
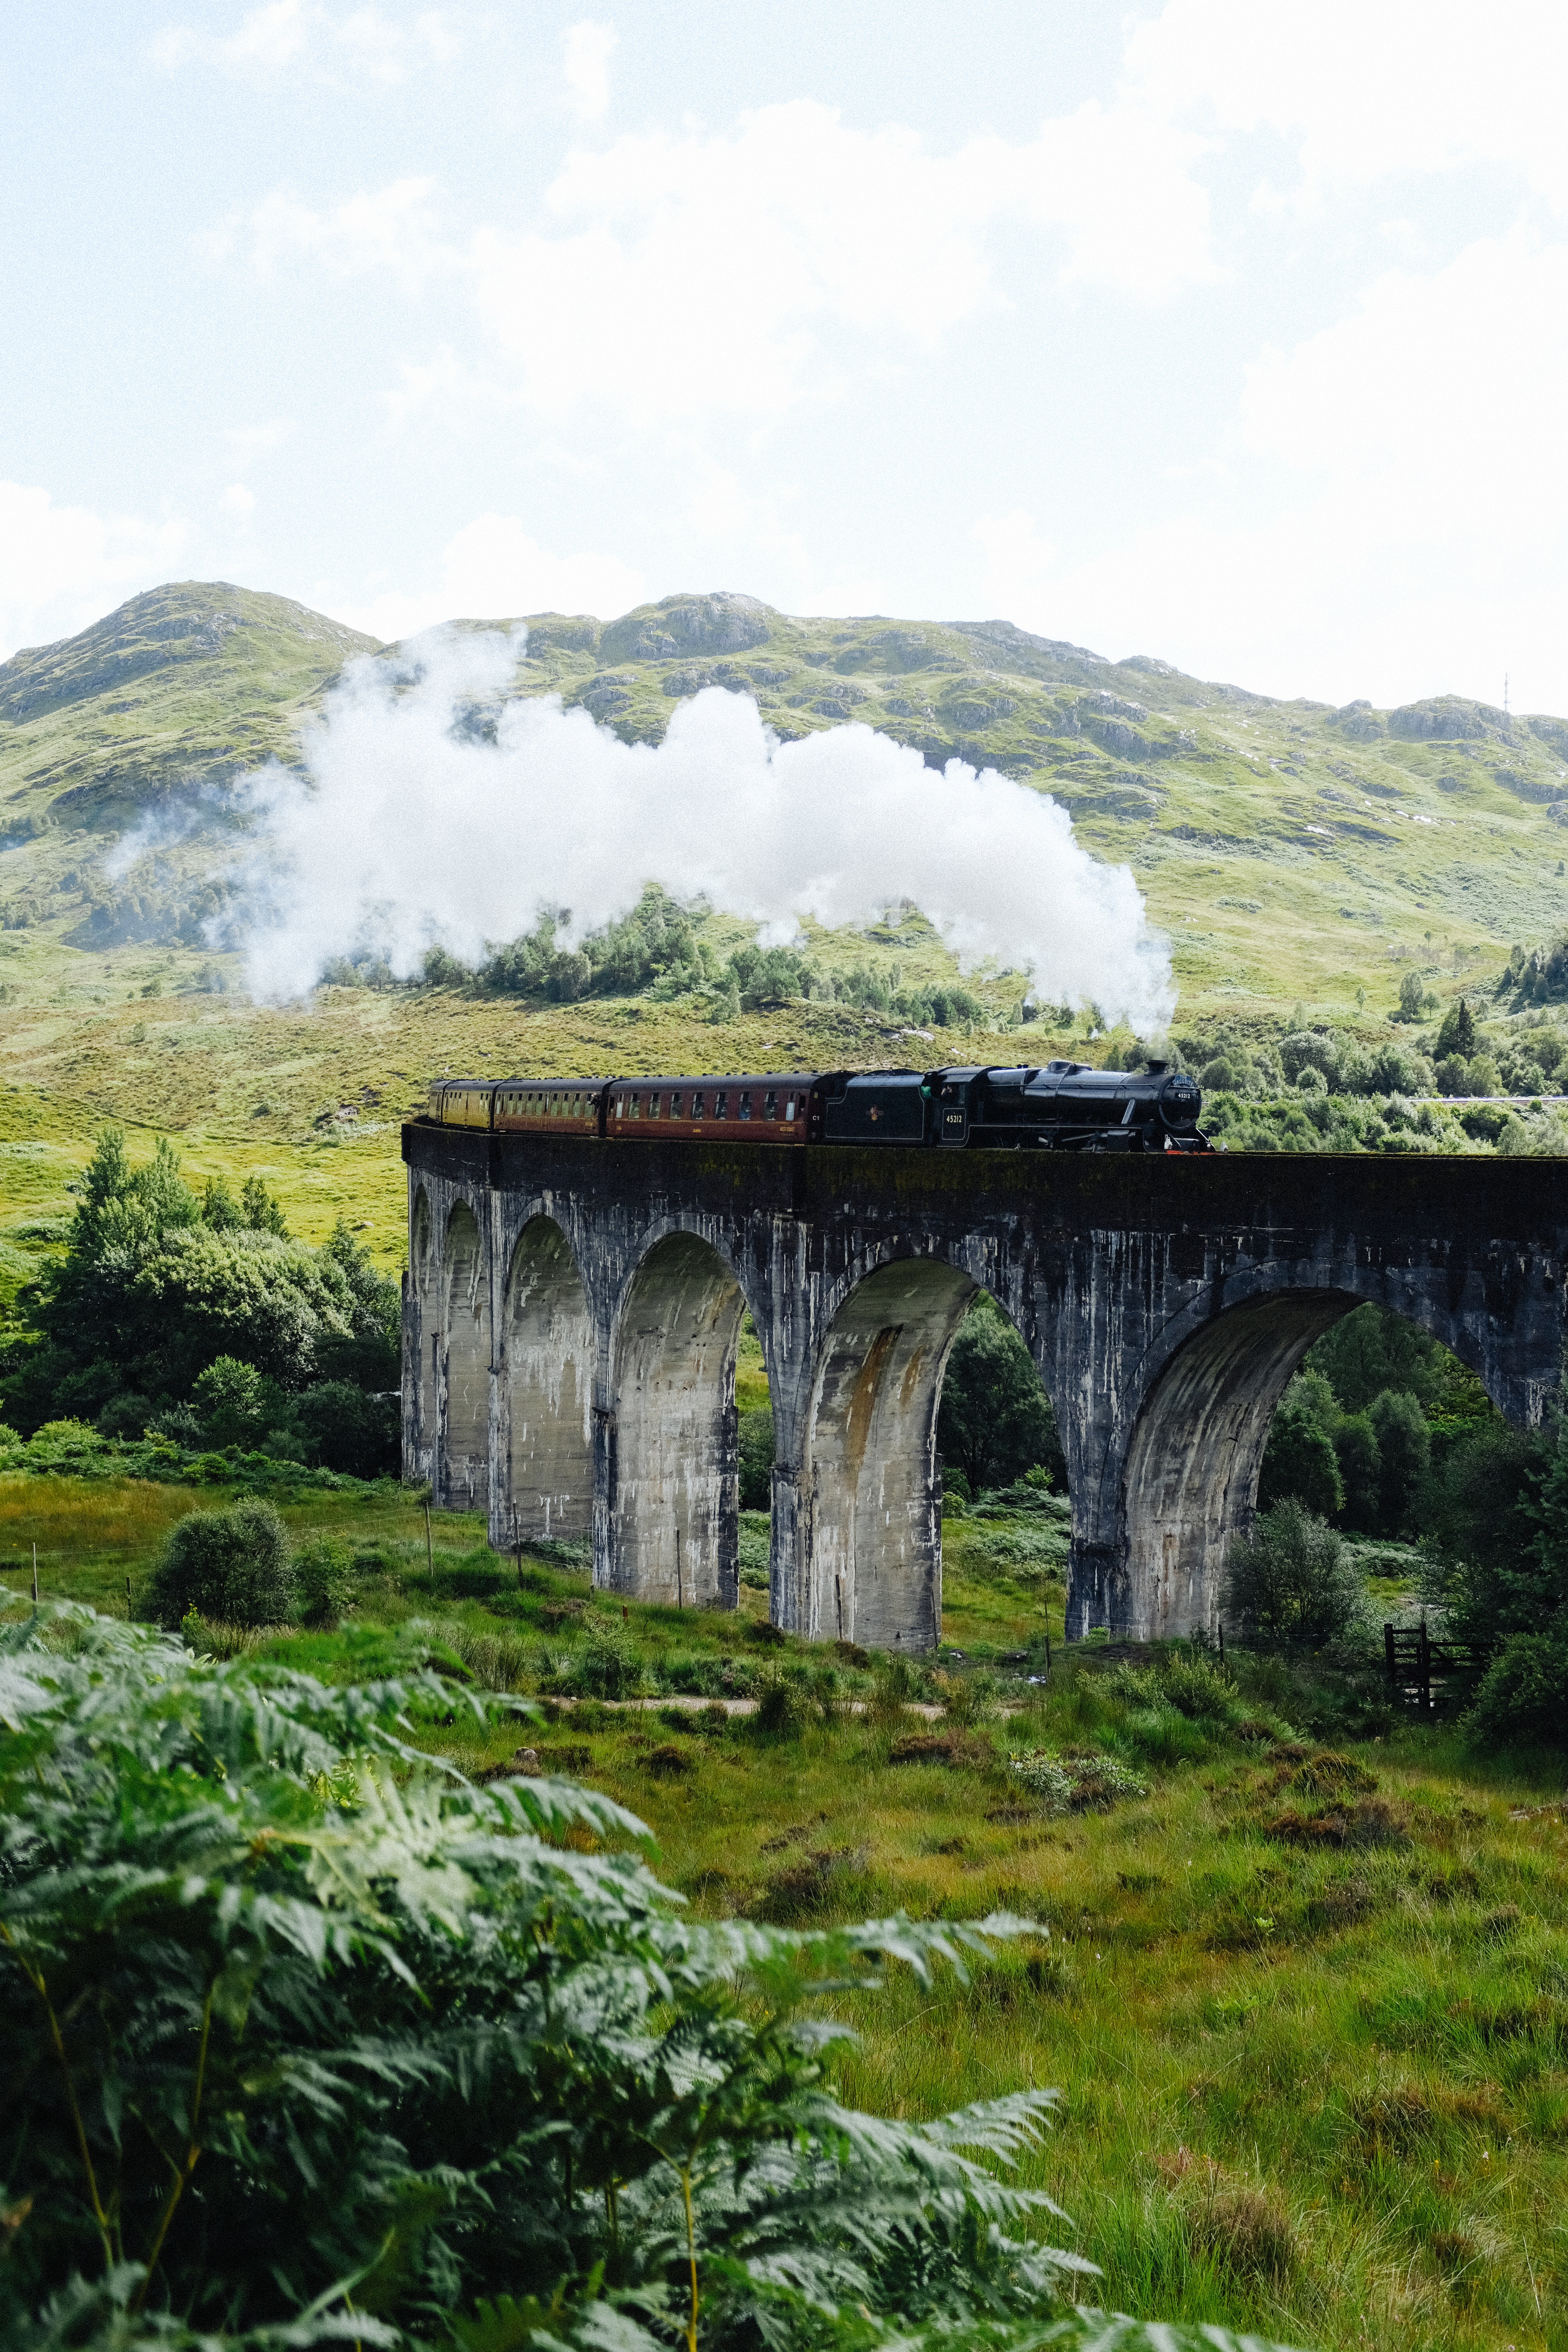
x=1064, y=1107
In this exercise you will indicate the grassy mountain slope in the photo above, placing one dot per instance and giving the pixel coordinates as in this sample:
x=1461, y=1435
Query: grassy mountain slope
x=1292, y=852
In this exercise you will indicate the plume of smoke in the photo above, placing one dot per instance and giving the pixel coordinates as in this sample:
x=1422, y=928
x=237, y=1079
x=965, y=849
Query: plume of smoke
x=412, y=825
x=163, y=828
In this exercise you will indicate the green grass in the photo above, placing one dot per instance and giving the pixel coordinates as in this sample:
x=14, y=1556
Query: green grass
x=1313, y=2088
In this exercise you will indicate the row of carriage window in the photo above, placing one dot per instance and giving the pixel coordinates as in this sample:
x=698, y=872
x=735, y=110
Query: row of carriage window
x=674, y=1104
x=632, y=1106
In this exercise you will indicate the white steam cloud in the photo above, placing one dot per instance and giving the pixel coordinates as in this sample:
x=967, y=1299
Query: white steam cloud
x=412, y=826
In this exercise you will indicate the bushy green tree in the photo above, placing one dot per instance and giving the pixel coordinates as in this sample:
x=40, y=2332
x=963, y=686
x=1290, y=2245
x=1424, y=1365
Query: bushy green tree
x=336, y=1426
x=1405, y=1457
x=300, y=2035
x=1361, y=1472
x=1291, y=1582
x=234, y=1566
x=996, y=1420
x=1457, y=1033
x=261, y=1212
x=156, y=1286
x=1496, y=1566
x=235, y=1405
x=1371, y=1349
x=1298, y=1459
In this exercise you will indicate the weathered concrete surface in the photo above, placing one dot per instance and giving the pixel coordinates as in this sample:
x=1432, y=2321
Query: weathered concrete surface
x=1165, y=1301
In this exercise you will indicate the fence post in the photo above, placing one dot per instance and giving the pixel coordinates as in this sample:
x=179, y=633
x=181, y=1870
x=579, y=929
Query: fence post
x=1424, y=1669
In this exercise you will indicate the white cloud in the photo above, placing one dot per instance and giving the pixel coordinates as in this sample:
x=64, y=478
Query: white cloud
x=1366, y=90
x=284, y=35
x=1417, y=549
x=239, y=501
x=392, y=229
x=248, y=442
x=586, y=53
x=492, y=570
x=60, y=567
x=751, y=271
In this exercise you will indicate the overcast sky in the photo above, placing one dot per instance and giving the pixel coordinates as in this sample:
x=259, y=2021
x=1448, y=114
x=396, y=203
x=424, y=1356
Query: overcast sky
x=1231, y=332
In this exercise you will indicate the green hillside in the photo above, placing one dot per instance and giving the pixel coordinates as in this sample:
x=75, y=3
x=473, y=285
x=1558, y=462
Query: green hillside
x=1295, y=855
x=1292, y=850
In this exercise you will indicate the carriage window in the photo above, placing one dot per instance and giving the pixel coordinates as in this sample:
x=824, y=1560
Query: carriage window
x=620, y=1110
x=721, y=1106
x=789, y=1108
x=697, y=1102
x=771, y=1106
x=634, y=1109
x=675, y=1106
x=746, y=1106
x=653, y=1103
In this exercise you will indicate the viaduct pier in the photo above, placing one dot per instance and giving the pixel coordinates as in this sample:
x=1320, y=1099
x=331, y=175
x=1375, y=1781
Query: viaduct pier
x=571, y=1309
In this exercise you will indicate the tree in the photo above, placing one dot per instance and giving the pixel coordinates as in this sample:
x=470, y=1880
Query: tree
x=235, y=1405
x=1291, y=1581
x=262, y=1211
x=996, y=1420
x=341, y=1427
x=1361, y=1468
x=1405, y=1457
x=156, y=1286
x=1495, y=1517
x=756, y=1458
x=1412, y=997
x=1457, y=1033
x=1298, y=1459
x=1372, y=1349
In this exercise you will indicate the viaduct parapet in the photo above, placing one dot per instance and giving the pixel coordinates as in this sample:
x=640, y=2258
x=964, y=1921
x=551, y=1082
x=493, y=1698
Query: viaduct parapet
x=571, y=1309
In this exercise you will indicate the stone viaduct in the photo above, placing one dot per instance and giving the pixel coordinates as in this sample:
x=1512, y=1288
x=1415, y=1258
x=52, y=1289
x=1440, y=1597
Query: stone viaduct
x=571, y=1309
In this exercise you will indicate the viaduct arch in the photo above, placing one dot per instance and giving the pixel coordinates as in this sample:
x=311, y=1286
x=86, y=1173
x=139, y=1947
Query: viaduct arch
x=572, y=1310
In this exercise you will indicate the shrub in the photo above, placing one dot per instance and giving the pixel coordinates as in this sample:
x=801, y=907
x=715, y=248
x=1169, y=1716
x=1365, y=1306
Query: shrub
x=1075, y=1784
x=126, y=1415
x=781, y=1707
x=324, y=1582
x=1524, y=1695
x=607, y=1664
x=1292, y=1581
x=232, y=1565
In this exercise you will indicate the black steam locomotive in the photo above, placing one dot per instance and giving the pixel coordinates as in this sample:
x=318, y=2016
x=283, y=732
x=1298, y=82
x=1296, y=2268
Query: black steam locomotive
x=1064, y=1107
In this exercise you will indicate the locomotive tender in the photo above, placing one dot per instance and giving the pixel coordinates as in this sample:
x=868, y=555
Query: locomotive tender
x=1063, y=1107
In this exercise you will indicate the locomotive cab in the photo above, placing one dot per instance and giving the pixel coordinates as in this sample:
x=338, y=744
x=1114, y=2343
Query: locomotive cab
x=881, y=1106
x=979, y=1107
